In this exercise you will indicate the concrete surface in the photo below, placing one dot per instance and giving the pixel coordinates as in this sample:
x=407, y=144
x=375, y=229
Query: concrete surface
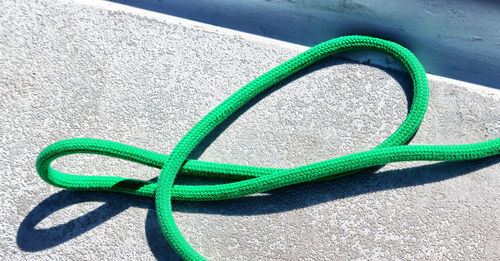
x=107, y=71
x=455, y=39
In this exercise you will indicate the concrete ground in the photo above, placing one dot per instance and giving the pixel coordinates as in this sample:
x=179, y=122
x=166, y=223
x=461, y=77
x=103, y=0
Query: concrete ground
x=107, y=71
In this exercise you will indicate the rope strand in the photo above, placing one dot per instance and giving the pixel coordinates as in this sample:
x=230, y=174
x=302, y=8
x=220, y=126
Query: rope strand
x=250, y=180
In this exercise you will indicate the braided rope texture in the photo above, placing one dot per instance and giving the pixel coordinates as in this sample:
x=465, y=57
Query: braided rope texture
x=249, y=180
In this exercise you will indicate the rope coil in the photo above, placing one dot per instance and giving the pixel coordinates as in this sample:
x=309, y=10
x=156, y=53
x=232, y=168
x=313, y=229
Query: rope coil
x=252, y=180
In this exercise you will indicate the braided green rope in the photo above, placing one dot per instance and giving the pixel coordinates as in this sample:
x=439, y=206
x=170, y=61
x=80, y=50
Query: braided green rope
x=253, y=179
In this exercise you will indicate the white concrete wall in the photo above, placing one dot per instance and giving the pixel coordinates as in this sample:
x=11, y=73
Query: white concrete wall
x=454, y=39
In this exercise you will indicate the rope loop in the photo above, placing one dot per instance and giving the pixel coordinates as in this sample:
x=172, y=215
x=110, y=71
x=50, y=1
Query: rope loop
x=250, y=180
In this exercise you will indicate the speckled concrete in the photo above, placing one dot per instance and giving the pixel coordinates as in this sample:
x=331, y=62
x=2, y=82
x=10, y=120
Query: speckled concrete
x=71, y=70
x=454, y=39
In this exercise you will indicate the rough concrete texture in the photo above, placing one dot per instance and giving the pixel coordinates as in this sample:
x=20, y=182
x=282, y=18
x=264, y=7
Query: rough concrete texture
x=454, y=39
x=71, y=70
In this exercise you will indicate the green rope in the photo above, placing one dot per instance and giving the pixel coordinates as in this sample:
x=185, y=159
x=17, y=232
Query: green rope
x=253, y=179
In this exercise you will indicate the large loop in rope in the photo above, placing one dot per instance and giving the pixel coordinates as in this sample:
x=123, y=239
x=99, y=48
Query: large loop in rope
x=254, y=179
